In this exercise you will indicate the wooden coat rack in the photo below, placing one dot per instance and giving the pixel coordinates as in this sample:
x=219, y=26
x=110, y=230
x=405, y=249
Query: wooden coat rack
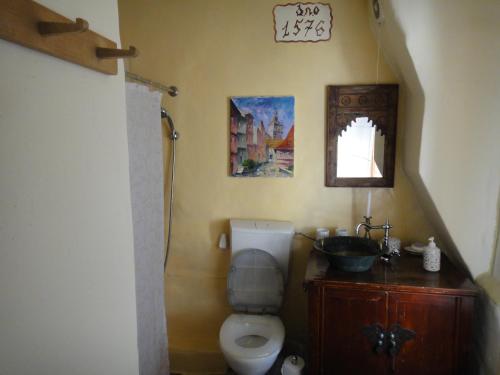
x=32, y=25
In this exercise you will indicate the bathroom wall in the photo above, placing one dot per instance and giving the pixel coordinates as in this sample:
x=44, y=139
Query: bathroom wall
x=446, y=55
x=67, y=288
x=216, y=49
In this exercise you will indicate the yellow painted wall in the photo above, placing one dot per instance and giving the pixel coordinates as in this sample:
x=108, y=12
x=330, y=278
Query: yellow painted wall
x=216, y=49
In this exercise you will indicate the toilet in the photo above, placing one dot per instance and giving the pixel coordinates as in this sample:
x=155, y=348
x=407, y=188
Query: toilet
x=252, y=337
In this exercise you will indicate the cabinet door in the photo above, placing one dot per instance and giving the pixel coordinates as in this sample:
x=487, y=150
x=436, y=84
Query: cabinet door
x=345, y=348
x=441, y=324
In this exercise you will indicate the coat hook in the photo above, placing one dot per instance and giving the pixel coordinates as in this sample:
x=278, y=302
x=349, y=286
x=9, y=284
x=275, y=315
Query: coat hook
x=51, y=28
x=113, y=53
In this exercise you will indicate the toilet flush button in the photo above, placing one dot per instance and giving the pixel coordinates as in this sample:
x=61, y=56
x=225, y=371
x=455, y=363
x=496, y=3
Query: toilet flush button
x=223, y=241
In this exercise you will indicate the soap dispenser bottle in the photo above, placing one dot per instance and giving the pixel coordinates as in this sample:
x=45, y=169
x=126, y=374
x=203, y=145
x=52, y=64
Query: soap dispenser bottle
x=432, y=257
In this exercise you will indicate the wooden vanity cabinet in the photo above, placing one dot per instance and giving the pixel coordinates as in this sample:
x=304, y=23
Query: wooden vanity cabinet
x=429, y=313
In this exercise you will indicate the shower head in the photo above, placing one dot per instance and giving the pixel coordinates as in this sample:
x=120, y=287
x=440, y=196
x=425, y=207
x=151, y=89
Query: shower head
x=173, y=133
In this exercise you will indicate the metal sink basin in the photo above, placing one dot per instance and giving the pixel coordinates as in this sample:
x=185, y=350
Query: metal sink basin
x=351, y=254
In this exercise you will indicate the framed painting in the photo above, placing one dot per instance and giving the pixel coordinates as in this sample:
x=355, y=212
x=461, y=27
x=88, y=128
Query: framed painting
x=262, y=136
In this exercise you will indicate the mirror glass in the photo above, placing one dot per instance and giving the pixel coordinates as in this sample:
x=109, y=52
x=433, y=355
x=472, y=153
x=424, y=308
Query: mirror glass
x=360, y=150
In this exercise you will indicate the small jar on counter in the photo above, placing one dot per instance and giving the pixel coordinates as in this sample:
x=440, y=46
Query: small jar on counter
x=432, y=257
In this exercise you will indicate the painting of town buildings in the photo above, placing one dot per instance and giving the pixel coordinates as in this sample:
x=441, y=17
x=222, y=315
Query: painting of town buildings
x=262, y=136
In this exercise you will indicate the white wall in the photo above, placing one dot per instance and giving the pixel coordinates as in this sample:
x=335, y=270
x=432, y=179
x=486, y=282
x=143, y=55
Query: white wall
x=67, y=294
x=453, y=149
x=447, y=55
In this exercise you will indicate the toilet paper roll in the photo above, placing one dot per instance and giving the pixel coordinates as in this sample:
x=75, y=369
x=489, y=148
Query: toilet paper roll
x=292, y=365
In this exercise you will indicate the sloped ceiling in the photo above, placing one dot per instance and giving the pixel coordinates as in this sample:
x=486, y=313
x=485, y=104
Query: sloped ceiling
x=447, y=56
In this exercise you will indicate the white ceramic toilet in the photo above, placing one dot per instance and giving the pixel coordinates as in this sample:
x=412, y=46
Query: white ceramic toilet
x=253, y=336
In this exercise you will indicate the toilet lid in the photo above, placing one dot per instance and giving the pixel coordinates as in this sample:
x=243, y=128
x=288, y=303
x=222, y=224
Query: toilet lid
x=255, y=282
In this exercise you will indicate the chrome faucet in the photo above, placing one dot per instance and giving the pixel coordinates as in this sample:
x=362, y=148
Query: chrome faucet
x=384, y=245
x=367, y=226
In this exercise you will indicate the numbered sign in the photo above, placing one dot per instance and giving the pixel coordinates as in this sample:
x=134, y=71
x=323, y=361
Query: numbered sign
x=302, y=22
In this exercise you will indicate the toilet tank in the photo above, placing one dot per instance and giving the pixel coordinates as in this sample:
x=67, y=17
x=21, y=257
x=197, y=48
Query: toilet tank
x=274, y=237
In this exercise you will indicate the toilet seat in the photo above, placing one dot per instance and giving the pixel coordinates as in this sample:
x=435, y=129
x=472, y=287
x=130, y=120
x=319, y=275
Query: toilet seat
x=255, y=283
x=237, y=326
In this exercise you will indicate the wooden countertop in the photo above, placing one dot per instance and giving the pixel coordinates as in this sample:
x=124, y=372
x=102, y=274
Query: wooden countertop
x=405, y=275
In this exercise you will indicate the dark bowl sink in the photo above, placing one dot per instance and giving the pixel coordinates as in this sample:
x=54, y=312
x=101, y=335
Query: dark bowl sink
x=351, y=254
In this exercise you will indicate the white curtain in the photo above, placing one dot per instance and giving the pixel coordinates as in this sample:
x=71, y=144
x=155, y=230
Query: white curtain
x=146, y=185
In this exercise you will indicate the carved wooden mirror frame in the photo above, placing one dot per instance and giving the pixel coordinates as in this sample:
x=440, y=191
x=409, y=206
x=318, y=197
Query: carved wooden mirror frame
x=346, y=103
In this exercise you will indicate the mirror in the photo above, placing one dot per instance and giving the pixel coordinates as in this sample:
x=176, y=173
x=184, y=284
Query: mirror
x=361, y=135
x=360, y=150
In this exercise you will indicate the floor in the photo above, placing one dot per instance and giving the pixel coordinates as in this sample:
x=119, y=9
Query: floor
x=275, y=370
x=289, y=348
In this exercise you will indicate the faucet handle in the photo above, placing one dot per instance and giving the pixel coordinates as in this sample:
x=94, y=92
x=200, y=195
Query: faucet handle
x=387, y=225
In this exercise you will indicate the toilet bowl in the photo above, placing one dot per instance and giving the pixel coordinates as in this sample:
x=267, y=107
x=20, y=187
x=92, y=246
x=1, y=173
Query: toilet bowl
x=251, y=343
x=252, y=337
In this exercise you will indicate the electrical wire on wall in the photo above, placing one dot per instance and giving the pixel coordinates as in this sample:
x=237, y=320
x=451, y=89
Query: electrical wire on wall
x=379, y=19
